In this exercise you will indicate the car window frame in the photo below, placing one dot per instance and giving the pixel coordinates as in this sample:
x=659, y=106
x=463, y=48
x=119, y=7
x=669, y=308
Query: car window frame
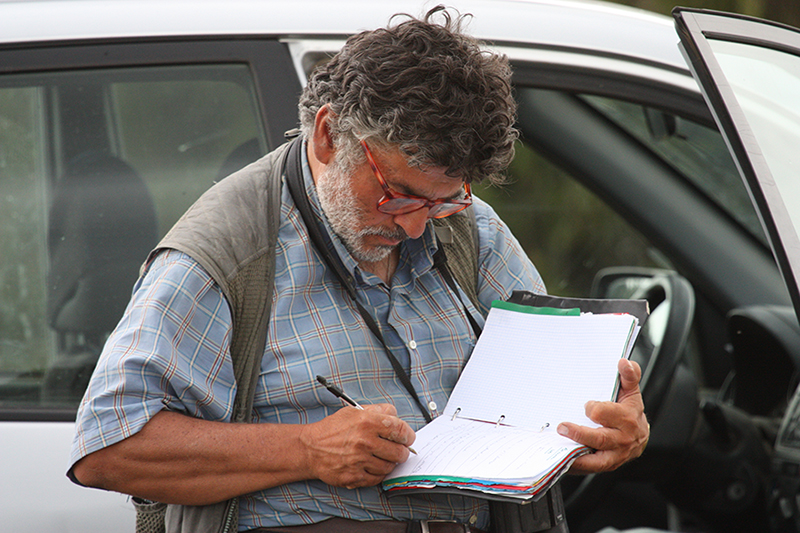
x=708, y=247
x=695, y=27
x=275, y=81
x=268, y=59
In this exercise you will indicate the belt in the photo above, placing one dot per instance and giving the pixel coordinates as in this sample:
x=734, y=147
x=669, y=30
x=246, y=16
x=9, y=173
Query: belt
x=343, y=525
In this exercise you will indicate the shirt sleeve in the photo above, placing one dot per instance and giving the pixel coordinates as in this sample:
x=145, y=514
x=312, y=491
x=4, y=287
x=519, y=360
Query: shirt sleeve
x=169, y=351
x=503, y=265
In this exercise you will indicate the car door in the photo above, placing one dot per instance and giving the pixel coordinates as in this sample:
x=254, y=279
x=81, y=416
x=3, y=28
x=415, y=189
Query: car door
x=749, y=71
x=103, y=145
x=750, y=74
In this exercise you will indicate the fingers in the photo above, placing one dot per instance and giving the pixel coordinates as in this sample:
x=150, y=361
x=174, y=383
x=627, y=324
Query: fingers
x=622, y=440
x=624, y=432
x=357, y=448
x=630, y=373
x=615, y=452
x=395, y=430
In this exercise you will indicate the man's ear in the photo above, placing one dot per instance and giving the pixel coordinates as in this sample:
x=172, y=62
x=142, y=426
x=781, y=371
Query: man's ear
x=321, y=140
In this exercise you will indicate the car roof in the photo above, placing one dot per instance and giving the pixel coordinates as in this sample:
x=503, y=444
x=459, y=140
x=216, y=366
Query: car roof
x=605, y=28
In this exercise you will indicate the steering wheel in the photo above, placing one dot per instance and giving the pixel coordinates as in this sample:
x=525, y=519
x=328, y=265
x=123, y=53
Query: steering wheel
x=658, y=351
x=663, y=337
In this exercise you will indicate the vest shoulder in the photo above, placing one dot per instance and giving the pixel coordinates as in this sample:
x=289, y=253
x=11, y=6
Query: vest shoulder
x=227, y=227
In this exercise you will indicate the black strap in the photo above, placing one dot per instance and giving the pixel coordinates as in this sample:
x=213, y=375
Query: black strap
x=294, y=181
x=440, y=263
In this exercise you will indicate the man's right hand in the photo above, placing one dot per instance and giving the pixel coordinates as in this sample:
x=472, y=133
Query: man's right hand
x=354, y=448
x=179, y=459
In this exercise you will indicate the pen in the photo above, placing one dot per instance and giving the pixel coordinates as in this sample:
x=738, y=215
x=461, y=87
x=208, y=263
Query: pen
x=339, y=393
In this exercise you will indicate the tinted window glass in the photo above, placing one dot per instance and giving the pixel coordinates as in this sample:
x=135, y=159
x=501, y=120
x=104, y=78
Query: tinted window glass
x=567, y=231
x=95, y=166
x=696, y=151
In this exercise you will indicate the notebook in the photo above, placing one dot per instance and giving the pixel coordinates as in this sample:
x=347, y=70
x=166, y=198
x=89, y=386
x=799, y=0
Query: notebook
x=532, y=368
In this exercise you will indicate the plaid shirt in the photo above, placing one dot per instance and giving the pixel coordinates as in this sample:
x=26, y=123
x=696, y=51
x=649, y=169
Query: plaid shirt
x=170, y=351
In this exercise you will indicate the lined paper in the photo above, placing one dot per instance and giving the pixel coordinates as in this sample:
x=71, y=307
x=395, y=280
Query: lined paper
x=538, y=369
x=528, y=372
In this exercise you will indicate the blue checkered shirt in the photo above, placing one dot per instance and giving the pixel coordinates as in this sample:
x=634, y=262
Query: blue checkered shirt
x=171, y=351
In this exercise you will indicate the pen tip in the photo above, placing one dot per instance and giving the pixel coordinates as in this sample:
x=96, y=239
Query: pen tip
x=322, y=380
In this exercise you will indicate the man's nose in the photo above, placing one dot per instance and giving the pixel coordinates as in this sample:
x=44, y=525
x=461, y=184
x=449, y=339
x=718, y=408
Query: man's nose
x=413, y=223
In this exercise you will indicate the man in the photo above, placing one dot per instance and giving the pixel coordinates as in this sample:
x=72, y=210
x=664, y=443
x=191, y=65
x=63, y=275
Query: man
x=395, y=127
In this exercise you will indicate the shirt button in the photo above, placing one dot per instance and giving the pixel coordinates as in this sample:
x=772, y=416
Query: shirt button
x=473, y=520
x=412, y=345
x=432, y=406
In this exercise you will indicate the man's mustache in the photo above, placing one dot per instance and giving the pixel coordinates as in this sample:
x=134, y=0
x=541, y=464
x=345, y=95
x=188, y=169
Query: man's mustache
x=395, y=235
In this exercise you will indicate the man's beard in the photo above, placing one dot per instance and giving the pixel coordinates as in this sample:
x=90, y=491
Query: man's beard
x=344, y=213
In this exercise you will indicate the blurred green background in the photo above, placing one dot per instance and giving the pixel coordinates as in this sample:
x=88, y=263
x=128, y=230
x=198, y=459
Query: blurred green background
x=786, y=11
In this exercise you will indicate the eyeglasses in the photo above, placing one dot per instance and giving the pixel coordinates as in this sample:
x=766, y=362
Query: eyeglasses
x=395, y=203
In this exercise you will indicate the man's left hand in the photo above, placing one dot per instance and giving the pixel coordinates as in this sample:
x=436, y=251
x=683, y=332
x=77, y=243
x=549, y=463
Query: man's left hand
x=625, y=429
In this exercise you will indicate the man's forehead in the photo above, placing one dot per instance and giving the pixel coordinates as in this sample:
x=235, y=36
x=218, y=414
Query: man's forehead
x=430, y=182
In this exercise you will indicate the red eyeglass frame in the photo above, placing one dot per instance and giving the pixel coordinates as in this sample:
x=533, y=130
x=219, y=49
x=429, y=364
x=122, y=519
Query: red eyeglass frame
x=449, y=206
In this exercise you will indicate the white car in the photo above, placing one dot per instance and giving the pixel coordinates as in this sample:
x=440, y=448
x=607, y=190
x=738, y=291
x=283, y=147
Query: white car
x=116, y=115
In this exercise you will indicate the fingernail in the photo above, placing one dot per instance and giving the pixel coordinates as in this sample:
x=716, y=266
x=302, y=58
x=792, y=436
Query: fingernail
x=563, y=430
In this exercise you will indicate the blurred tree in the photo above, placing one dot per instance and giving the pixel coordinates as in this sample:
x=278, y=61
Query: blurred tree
x=785, y=11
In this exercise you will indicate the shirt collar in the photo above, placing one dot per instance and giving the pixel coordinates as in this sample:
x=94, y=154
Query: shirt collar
x=416, y=255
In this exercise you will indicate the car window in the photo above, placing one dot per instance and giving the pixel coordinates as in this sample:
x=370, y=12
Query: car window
x=766, y=83
x=95, y=166
x=695, y=150
x=568, y=232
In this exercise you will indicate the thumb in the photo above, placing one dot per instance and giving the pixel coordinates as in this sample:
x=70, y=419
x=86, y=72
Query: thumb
x=630, y=374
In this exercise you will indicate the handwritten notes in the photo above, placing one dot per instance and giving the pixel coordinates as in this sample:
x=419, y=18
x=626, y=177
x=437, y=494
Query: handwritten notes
x=528, y=372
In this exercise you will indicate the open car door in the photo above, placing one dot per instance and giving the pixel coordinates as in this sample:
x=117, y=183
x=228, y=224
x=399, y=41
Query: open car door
x=749, y=72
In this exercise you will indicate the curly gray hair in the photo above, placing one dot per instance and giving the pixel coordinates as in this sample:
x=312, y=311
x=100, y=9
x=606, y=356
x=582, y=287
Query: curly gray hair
x=424, y=87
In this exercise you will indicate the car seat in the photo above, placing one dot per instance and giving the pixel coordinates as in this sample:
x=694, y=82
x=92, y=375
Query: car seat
x=244, y=154
x=102, y=225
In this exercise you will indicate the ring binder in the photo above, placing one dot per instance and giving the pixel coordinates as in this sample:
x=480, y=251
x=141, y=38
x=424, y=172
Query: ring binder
x=509, y=456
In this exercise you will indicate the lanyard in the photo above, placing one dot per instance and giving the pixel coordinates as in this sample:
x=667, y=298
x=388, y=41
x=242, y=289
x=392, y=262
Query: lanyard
x=296, y=186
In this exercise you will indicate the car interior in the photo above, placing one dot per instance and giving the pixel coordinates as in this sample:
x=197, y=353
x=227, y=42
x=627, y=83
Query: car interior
x=103, y=163
x=101, y=223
